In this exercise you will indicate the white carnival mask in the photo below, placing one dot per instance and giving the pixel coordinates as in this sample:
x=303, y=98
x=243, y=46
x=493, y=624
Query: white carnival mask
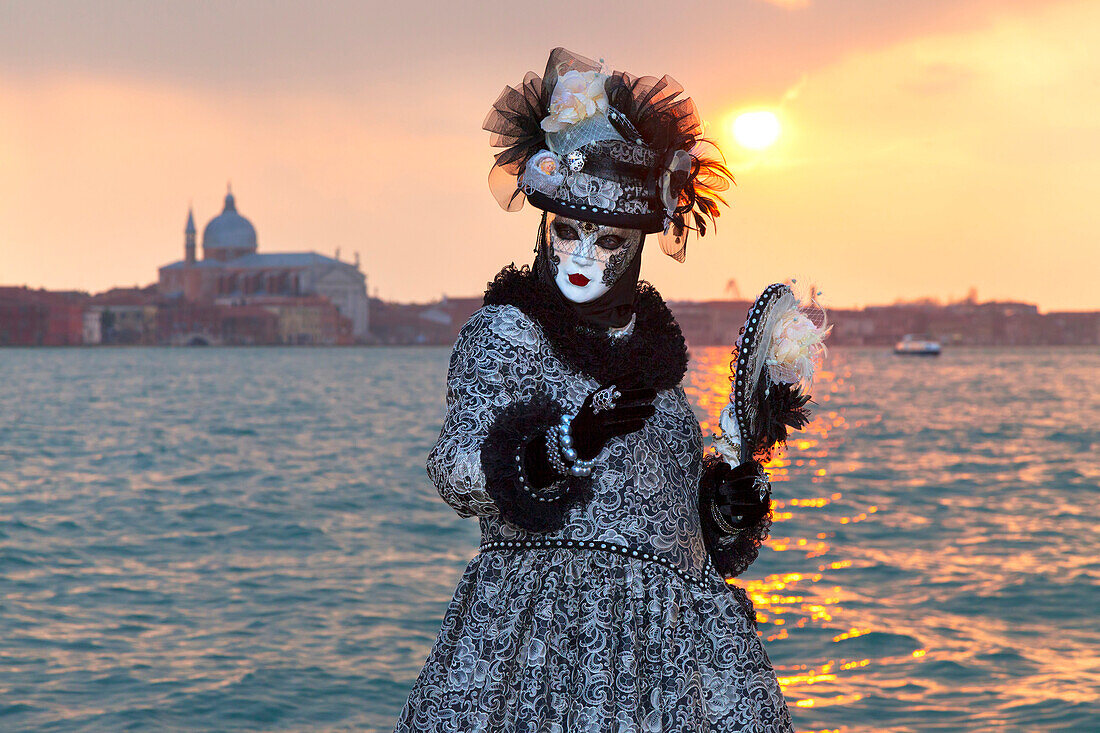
x=585, y=258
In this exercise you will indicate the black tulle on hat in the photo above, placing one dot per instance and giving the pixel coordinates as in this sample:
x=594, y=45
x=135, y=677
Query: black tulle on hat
x=606, y=147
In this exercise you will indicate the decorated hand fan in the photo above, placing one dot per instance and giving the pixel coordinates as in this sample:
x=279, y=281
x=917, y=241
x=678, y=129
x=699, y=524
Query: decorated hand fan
x=778, y=349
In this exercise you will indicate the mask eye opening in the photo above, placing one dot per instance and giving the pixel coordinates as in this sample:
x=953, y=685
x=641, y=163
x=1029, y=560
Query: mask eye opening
x=610, y=242
x=564, y=231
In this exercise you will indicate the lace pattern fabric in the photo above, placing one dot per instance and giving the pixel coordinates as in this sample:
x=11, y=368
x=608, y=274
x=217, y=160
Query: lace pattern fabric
x=574, y=637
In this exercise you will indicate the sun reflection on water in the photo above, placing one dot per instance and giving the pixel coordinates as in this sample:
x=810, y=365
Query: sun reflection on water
x=809, y=602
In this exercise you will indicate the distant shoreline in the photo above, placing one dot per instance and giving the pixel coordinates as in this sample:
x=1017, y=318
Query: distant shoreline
x=143, y=316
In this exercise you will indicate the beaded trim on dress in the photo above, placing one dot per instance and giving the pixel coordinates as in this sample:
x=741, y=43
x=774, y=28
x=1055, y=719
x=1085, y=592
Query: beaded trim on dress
x=606, y=546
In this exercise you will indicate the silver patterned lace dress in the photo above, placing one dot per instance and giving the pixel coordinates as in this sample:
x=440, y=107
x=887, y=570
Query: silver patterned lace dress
x=616, y=622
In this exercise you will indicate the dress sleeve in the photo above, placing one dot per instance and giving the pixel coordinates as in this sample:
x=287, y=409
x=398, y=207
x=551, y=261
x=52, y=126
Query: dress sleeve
x=497, y=406
x=732, y=548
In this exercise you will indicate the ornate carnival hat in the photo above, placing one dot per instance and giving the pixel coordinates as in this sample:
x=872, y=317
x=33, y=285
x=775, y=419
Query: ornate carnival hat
x=608, y=148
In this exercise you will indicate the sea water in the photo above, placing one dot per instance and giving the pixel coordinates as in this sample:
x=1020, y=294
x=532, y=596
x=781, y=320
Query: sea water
x=245, y=539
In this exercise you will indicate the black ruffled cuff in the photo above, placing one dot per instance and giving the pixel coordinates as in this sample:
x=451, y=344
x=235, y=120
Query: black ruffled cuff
x=504, y=459
x=731, y=549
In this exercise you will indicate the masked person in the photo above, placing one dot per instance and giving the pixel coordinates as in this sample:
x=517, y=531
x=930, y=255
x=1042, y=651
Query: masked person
x=598, y=599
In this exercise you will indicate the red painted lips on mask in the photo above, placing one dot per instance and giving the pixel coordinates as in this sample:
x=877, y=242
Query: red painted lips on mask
x=578, y=279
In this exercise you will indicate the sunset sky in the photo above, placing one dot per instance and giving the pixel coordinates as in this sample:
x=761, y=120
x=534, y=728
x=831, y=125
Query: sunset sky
x=926, y=147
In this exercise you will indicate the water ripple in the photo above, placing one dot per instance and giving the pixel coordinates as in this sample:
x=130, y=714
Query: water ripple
x=245, y=539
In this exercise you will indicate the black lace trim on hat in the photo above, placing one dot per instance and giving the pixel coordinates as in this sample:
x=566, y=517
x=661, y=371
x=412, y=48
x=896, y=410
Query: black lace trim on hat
x=655, y=355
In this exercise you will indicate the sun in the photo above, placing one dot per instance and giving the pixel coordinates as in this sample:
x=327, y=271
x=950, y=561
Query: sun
x=756, y=130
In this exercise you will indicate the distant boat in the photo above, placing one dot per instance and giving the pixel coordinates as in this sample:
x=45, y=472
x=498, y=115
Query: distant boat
x=912, y=346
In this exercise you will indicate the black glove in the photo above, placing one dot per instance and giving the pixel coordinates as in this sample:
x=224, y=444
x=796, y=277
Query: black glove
x=740, y=496
x=591, y=431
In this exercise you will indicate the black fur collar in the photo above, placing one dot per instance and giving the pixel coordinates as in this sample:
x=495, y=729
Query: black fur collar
x=654, y=355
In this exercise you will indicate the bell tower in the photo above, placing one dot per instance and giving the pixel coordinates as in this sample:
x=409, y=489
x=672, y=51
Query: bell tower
x=189, y=238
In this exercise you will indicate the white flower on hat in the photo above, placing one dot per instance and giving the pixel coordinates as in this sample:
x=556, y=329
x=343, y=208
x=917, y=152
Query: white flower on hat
x=577, y=96
x=796, y=347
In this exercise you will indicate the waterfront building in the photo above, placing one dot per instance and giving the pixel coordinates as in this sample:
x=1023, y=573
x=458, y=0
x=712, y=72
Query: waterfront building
x=40, y=317
x=126, y=316
x=233, y=273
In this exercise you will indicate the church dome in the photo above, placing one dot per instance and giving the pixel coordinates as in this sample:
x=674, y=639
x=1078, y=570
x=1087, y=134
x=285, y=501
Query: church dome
x=229, y=230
